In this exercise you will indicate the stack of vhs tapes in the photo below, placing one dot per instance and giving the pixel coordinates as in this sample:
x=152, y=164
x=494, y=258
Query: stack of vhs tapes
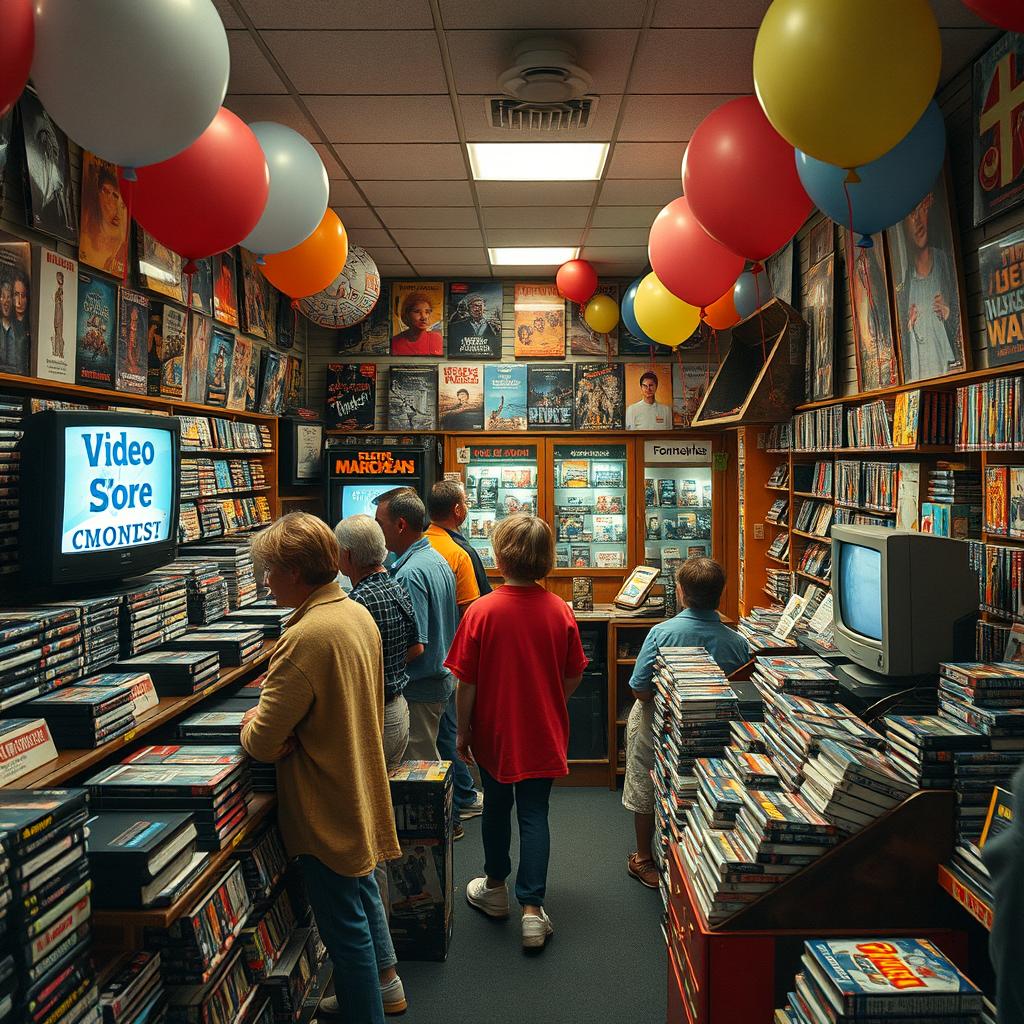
x=227, y=997
x=40, y=649
x=748, y=737
x=264, y=862
x=175, y=673
x=236, y=645
x=12, y=410
x=98, y=617
x=221, y=722
x=990, y=640
x=206, y=587
x=757, y=771
x=140, y=858
x=803, y=675
x=154, y=610
x=235, y=562
x=267, y=932
x=135, y=992
x=271, y=620
x=922, y=747
x=48, y=918
x=759, y=625
x=144, y=694
x=295, y=973
x=83, y=717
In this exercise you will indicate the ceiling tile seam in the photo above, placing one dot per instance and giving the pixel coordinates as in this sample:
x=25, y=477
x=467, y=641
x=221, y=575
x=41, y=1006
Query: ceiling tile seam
x=645, y=26
x=460, y=126
x=264, y=48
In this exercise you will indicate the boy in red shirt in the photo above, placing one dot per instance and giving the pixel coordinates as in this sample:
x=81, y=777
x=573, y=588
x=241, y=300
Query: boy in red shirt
x=518, y=657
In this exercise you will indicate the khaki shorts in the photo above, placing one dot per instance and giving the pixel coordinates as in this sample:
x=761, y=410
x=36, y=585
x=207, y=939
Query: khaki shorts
x=638, y=788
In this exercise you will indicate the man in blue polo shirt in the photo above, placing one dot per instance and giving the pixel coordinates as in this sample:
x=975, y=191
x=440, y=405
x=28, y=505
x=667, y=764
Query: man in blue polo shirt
x=699, y=586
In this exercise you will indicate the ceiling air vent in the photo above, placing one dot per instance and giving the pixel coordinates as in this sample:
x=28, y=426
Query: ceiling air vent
x=517, y=116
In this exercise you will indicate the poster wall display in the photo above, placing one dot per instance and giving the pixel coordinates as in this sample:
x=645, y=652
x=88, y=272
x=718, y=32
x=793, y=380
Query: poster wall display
x=474, y=319
x=417, y=315
x=648, y=396
x=583, y=341
x=1002, y=288
x=874, y=331
x=539, y=321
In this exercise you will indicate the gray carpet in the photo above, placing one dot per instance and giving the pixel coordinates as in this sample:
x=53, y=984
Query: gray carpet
x=606, y=960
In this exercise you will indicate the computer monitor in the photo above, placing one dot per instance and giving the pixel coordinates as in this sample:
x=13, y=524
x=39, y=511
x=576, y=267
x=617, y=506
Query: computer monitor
x=903, y=600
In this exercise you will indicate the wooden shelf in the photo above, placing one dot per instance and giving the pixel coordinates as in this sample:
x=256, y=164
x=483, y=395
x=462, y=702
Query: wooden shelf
x=163, y=917
x=768, y=593
x=816, y=497
x=921, y=449
x=213, y=495
x=70, y=763
x=772, y=522
x=625, y=661
x=813, y=536
x=866, y=508
x=773, y=487
x=227, y=535
x=975, y=905
x=817, y=579
x=588, y=760
x=1002, y=538
x=202, y=453
x=778, y=561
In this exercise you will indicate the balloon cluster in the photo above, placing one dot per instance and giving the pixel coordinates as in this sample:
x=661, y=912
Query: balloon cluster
x=141, y=86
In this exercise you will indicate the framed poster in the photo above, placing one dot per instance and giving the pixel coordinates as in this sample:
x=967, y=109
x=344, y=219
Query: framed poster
x=997, y=123
x=873, y=329
x=539, y=321
x=417, y=313
x=225, y=288
x=103, y=239
x=819, y=312
x=648, y=396
x=926, y=286
x=474, y=319
x=780, y=273
x=1002, y=290
x=48, y=166
x=308, y=442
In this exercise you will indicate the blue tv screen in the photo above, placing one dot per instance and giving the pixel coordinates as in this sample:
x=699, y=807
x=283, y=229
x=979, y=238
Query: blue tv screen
x=357, y=499
x=860, y=594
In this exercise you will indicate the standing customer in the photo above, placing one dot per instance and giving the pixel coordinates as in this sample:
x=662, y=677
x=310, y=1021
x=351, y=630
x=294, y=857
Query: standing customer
x=448, y=510
x=321, y=717
x=518, y=658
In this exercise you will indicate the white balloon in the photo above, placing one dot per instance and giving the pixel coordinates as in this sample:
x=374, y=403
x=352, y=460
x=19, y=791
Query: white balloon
x=299, y=190
x=133, y=81
x=350, y=297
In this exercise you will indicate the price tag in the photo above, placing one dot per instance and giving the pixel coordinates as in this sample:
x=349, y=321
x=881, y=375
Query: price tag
x=129, y=736
x=462, y=455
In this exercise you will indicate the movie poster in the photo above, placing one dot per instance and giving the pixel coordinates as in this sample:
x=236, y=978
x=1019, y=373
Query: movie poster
x=103, y=240
x=54, y=306
x=15, y=306
x=198, y=358
x=172, y=351
x=218, y=367
x=648, y=396
x=585, y=342
x=241, y=360
x=1002, y=288
x=96, y=335
x=285, y=322
x=372, y=335
x=997, y=121
x=273, y=368
x=255, y=297
x=131, y=363
x=549, y=397
x=412, y=398
x=539, y=321
x=351, y=399
x=873, y=330
x=252, y=378
x=201, y=286
x=225, y=288
x=295, y=390
x=926, y=286
x=50, y=186
x=417, y=316
x=460, y=396
x=599, y=396
x=780, y=273
x=159, y=269
x=504, y=397
x=819, y=312
x=690, y=381
x=474, y=319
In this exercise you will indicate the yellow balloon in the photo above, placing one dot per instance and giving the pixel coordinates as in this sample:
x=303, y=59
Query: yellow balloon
x=662, y=316
x=601, y=314
x=845, y=80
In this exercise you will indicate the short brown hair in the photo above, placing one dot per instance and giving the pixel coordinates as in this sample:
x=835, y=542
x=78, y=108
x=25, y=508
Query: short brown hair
x=444, y=496
x=524, y=547
x=404, y=503
x=702, y=581
x=298, y=541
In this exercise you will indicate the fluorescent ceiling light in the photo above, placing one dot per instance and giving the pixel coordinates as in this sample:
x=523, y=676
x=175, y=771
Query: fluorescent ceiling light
x=537, y=161
x=533, y=255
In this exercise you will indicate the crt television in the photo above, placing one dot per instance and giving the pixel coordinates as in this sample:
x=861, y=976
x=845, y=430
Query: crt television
x=99, y=495
x=902, y=601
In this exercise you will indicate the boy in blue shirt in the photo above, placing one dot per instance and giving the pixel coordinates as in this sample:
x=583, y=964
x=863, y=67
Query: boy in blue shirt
x=699, y=586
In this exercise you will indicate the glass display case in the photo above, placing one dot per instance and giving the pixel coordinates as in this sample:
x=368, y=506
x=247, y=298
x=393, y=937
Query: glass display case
x=500, y=480
x=590, y=506
x=677, y=504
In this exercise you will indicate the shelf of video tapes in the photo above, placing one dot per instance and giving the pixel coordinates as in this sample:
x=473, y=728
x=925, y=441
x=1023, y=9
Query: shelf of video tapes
x=819, y=430
x=779, y=479
x=867, y=485
x=778, y=438
x=760, y=625
x=990, y=415
x=924, y=418
x=677, y=514
x=779, y=548
x=778, y=514
x=201, y=435
x=1003, y=500
x=500, y=481
x=591, y=500
x=816, y=561
x=813, y=480
x=814, y=517
x=132, y=989
x=778, y=584
x=203, y=478
x=1000, y=570
x=12, y=411
x=991, y=639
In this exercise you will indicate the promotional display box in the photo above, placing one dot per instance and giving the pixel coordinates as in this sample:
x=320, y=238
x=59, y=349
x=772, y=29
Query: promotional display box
x=420, y=881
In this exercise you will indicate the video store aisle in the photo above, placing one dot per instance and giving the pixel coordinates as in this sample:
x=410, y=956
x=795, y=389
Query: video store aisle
x=606, y=960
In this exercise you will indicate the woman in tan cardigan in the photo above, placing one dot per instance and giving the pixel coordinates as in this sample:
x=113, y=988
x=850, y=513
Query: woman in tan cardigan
x=321, y=717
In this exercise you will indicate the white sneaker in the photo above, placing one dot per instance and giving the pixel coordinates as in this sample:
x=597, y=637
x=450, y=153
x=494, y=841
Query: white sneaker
x=475, y=809
x=493, y=902
x=536, y=929
x=392, y=995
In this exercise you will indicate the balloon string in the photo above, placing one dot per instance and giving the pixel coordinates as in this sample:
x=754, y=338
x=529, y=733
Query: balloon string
x=851, y=278
x=189, y=272
x=683, y=421
x=608, y=345
x=759, y=269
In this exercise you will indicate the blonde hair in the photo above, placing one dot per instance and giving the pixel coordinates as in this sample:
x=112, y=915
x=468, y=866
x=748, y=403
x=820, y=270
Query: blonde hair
x=524, y=547
x=300, y=542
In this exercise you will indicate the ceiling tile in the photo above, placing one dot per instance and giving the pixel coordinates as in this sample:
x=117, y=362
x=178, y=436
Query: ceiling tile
x=250, y=70
x=343, y=193
x=412, y=119
x=357, y=63
x=701, y=14
x=449, y=272
x=716, y=60
x=536, y=193
x=625, y=216
x=417, y=193
x=383, y=254
x=646, y=160
x=540, y=15
x=429, y=217
x=618, y=236
x=960, y=46
x=615, y=253
x=657, y=192
x=533, y=236
x=393, y=269
x=357, y=217
x=536, y=216
x=330, y=14
x=443, y=256
x=282, y=109
x=383, y=162
x=333, y=167
x=227, y=14
x=451, y=238
x=476, y=116
x=370, y=238
x=479, y=57
x=665, y=118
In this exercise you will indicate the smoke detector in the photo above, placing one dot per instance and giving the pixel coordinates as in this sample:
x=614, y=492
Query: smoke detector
x=544, y=70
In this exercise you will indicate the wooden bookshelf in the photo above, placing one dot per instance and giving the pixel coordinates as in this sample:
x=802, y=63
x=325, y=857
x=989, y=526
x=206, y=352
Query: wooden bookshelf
x=814, y=579
x=975, y=905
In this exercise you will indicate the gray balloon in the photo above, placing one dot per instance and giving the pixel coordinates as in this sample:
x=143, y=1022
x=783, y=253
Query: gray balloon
x=299, y=190
x=133, y=81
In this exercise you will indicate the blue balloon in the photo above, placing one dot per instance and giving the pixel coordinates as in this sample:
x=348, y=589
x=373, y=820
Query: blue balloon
x=889, y=187
x=751, y=292
x=629, y=317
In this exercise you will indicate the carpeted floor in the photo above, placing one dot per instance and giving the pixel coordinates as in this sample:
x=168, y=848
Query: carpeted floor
x=606, y=960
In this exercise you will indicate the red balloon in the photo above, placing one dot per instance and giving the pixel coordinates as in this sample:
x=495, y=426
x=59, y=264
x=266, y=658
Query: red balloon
x=576, y=281
x=740, y=177
x=721, y=314
x=17, y=44
x=208, y=197
x=686, y=259
x=1005, y=13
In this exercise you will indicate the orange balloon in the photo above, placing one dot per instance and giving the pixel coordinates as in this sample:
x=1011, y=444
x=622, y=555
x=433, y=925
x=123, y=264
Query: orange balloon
x=311, y=265
x=721, y=314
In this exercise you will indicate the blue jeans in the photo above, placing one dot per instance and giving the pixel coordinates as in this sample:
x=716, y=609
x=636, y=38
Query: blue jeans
x=338, y=907
x=377, y=916
x=531, y=802
x=447, y=728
